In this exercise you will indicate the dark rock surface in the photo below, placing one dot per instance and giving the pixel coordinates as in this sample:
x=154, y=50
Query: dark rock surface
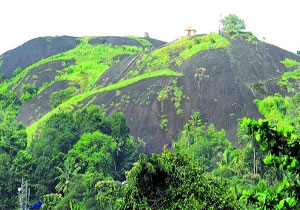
x=115, y=40
x=38, y=106
x=33, y=51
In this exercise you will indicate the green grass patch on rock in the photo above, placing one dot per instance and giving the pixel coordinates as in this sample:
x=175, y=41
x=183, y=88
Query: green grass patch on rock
x=289, y=63
x=174, y=54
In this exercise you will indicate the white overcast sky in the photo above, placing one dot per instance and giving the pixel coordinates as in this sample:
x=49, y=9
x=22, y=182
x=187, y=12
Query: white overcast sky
x=23, y=20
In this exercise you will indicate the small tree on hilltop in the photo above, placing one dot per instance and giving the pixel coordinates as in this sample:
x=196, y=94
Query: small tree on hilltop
x=233, y=23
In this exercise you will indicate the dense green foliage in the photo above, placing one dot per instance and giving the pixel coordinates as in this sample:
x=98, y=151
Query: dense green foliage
x=202, y=143
x=28, y=91
x=284, y=154
x=233, y=23
x=70, y=154
x=278, y=138
x=172, y=181
x=13, y=140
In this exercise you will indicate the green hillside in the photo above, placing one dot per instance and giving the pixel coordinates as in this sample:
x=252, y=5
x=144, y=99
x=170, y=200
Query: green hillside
x=91, y=61
x=118, y=66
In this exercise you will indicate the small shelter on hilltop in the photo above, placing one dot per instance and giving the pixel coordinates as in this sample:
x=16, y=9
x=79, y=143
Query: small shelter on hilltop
x=190, y=31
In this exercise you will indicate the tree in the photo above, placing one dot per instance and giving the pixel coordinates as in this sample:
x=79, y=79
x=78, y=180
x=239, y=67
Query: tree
x=58, y=134
x=253, y=159
x=126, y=152
x=51, y=200
x=203, y=143
x=5, y=183
x=13, y=136
x=94, y=153
x=283, y=149
x=49, y=147
x=233, y=23
x=109, y=194
x=231, y=164
x=81, y=192
x=9, y=101
x=28, y=91
x=92, y=119
x=119, y=126
x=174, y=181
x=69, y=170
x=22, y=168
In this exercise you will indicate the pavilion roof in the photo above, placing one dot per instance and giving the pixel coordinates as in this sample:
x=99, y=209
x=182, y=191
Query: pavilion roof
x=190, y=28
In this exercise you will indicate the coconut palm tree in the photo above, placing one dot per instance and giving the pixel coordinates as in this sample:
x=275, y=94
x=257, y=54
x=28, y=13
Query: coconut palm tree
x=69, y=170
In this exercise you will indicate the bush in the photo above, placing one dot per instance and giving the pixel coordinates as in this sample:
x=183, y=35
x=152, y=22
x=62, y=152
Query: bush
x=59, y=97
x=28, y=91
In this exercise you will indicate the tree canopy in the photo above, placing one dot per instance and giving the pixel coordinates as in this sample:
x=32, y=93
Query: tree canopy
x=284, y=154
x=172, y=181
x=233, y=23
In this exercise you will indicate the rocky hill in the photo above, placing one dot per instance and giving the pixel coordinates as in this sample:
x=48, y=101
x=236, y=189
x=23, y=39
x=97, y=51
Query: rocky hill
x=157, y=85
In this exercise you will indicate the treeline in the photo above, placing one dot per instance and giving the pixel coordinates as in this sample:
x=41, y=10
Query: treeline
x=87, y=160
x=67, y=157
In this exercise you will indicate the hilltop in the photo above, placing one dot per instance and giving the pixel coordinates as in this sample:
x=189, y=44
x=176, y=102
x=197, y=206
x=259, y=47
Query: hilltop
x=157, y=85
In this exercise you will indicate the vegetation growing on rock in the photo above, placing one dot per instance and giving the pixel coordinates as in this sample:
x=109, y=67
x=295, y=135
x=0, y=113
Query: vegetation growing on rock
x=76, y=149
